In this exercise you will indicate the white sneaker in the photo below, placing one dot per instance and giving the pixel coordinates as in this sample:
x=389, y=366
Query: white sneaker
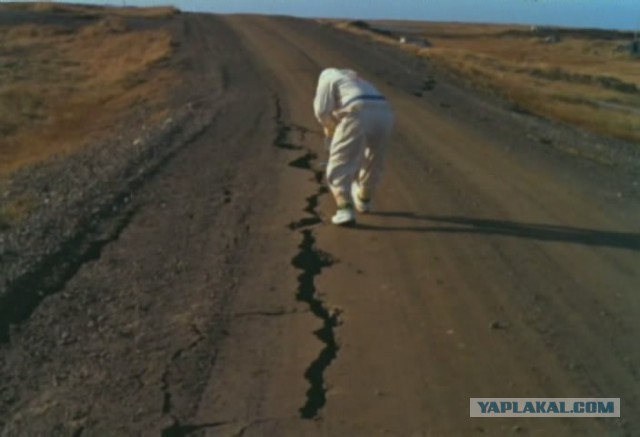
x=344, y=217
x=362, y=206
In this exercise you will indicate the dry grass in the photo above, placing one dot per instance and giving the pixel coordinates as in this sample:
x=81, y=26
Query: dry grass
x=155, y=12
x=93, y=11
x=62, y=86
x=573, y=80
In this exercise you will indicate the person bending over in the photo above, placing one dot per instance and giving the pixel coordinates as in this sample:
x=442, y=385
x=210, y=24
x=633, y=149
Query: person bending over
x=358, y=121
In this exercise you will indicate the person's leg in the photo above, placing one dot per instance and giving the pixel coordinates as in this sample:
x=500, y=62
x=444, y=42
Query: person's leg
x=379, y=124
x=345, y=158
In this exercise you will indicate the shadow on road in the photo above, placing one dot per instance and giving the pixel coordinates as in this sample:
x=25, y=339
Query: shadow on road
x=466, y=225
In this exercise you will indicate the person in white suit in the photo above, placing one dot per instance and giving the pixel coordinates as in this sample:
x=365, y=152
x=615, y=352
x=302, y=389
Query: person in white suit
x=358, y=121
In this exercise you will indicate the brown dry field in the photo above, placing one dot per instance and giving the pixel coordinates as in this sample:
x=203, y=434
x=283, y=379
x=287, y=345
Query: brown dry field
x=583, y=79
x=69, y=83
x=65, y=84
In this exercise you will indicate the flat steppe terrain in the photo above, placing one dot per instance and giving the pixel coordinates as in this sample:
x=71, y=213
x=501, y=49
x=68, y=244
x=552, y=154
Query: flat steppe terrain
x=167, y=267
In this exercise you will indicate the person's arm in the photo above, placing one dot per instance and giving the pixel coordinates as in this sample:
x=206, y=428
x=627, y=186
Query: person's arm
x=324, y=103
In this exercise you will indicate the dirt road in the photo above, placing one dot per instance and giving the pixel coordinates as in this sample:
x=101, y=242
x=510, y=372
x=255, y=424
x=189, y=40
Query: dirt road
x=219, y=302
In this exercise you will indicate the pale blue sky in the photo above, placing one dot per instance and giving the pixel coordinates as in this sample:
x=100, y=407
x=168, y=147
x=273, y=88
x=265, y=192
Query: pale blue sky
x=612, y=14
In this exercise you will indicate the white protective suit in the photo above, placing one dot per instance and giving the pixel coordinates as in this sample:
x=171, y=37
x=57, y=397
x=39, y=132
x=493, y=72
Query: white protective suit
x=362, y=120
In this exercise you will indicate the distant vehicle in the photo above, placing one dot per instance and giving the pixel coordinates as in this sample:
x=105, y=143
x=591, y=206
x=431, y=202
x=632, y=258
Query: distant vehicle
x=416, y=41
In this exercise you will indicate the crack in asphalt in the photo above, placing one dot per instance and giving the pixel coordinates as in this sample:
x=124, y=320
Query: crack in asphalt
x=311, y=261
x=275, y=313
x=167, y=405
x=282, y=130
x=304, y=161
x=177, y=429
x=304, y=223
x=52, y=276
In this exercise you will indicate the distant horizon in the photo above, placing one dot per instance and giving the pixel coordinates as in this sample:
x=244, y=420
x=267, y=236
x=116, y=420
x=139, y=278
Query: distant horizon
x=477, y=23
x=595, y=14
